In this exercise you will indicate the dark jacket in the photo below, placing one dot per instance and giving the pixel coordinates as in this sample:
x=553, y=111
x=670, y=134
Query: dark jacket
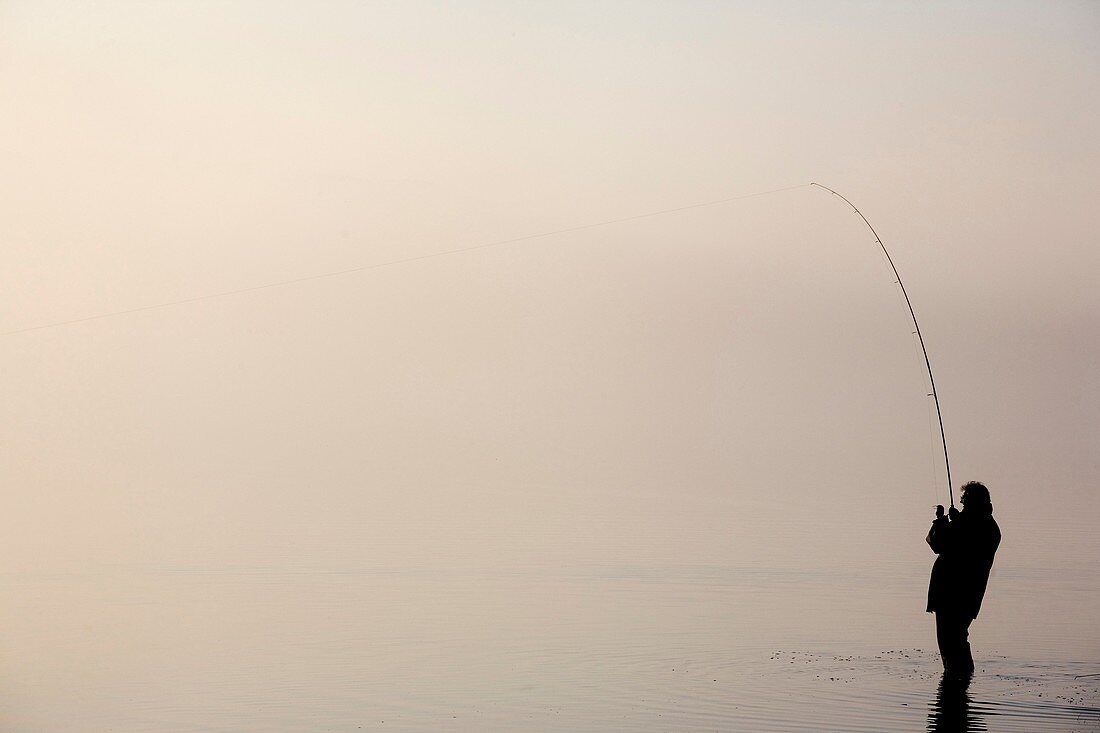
x=965, y=545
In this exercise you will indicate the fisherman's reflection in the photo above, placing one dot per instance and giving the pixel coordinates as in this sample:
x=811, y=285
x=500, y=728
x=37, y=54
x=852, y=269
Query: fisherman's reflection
x=950, y=712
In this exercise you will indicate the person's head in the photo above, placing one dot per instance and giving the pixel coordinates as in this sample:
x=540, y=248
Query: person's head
x=975, y=496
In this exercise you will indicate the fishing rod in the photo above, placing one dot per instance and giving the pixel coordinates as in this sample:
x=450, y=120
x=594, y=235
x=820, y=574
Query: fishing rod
x=927, y=362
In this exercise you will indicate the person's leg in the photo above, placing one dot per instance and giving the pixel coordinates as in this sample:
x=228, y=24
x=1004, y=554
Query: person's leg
x=965, y=659
x=951, y=636
x=945, y=638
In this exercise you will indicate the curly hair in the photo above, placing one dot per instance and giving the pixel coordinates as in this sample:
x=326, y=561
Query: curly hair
x=976, y=493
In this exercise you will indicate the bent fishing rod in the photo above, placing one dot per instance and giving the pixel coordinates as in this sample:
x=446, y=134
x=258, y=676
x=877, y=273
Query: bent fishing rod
x=927, y=362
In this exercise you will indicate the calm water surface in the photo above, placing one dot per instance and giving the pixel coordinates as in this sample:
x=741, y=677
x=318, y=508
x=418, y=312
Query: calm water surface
x=583, y=647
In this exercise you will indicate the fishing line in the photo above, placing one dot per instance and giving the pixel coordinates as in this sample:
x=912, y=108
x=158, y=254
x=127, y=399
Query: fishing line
x=924, y=350
x=933, y=471
x=402, y=261
x=932, y=454
x=526, y=238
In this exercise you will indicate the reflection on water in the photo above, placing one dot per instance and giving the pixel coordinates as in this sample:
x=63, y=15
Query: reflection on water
x=594, y=648
x=950, y=712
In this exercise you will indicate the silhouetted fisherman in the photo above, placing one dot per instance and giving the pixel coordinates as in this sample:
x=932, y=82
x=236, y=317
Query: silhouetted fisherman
x=965, y=542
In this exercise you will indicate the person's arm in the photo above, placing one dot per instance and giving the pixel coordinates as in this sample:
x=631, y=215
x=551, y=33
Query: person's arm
x=940, y=535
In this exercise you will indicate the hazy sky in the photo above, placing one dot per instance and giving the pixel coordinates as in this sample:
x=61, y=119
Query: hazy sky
x=694, y=387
